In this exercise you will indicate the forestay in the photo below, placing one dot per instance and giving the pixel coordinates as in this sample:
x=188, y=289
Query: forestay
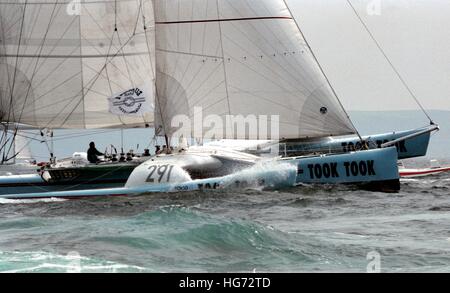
x=240, y=57
x=61, y=60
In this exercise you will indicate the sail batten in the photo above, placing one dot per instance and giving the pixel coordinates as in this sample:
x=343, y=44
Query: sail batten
x=224, y=19
x=240, y=58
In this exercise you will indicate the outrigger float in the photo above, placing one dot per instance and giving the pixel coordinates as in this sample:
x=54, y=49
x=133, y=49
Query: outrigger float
x=409, y=144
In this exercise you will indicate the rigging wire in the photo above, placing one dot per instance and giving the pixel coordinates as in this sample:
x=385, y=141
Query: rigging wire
x=403, y=81
x=224, y=63
x=32, y=137
x=322, y=70
x=3, y=148
x=32, y=78
x=39, y=55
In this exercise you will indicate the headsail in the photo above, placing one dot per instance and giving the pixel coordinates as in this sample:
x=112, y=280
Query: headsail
x=60, y=61
x=240, y=57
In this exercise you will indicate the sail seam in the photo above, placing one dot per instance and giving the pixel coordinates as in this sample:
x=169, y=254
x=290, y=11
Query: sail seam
x=73, y=56
x=36, y=69
x=323, y=72
x=82, y=74
x=91, y=84
x=5, y=155
x=286, y=49
x=223, y=55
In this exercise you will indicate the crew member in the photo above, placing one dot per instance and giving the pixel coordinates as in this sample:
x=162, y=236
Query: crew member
x=93, y=153
x=158, y=150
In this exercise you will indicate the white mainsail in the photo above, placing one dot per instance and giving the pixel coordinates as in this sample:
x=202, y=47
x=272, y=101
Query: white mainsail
x=60, y=61
x=240, y=57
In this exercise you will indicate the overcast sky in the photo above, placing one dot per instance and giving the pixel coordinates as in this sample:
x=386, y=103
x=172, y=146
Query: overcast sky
x=415, y=34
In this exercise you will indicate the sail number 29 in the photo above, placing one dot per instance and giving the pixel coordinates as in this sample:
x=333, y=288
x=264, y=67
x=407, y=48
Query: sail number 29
x=159, y=173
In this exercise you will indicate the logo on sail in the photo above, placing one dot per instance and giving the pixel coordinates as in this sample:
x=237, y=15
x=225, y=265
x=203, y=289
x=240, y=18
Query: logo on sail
x=135, y=101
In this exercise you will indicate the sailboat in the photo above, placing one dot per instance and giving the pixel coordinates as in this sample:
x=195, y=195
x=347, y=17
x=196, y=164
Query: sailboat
x=434, y=169
x=228, y=69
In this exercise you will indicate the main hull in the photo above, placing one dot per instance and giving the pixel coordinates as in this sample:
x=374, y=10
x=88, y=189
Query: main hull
x=24, y=184
x=68, y=179
x=376, y=168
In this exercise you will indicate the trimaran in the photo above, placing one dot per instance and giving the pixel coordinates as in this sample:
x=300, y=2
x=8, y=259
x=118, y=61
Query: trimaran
x=165, y=63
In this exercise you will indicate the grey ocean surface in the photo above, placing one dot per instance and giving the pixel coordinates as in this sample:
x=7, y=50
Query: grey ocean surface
x=301, y=229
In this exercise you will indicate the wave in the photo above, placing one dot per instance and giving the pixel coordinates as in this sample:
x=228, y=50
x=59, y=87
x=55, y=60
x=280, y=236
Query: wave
x=172, y=238
x=40, y=262
x=309, y=228
x=30, y=201
x=175, y=238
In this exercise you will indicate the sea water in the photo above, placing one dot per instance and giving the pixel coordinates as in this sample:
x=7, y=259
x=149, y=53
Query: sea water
x=299, y=229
